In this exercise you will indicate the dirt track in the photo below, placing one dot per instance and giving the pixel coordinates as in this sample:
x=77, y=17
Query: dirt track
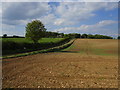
x=80, y=66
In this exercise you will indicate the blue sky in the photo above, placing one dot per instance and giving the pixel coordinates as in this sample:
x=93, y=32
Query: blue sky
x=63, y=17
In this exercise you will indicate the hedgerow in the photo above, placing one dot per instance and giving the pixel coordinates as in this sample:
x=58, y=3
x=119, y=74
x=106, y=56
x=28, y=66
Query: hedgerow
x=11, y=47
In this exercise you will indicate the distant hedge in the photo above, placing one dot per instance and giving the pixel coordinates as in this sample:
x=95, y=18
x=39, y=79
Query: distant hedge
x=11, y=47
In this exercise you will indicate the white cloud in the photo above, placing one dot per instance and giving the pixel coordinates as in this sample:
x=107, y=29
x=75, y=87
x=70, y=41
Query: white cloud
x=60, y=0
x=0, y=18
x=0, y=9
x=59, y=21
x=8, y=26
x=12, y=30
x=71, y=13
x=89, y=28
x=101, y=0
x=48, y=19
x=25, y=0
x=23, y=11
x=101, y=5
x=105, y=23
x=7, y=29
x=16, y=22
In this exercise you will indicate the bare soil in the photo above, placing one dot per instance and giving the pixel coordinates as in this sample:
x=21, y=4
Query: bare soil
x=86, y=64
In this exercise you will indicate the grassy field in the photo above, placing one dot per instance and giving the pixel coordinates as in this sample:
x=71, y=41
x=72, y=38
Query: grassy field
x=88, y=63
x=21, y=40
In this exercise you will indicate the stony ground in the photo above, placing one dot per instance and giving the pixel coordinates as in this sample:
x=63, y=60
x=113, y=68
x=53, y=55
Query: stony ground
x=86, y=64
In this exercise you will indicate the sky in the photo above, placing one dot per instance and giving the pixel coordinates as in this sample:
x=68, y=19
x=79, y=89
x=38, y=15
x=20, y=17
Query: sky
x=62, y=17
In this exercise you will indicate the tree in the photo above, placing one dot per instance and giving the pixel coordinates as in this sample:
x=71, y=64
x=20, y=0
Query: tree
x=118, y=37
x=84, y=36
x=4, y=35
x=14, y=36
x=35, y=30
x=61, y=35
x=91, y=36
x=77, y=35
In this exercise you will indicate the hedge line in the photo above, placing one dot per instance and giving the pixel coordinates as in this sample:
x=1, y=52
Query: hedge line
x=54, y=49
x=11, y=47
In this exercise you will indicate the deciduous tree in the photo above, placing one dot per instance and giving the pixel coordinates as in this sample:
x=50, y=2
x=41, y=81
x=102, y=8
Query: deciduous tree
x=35, y=30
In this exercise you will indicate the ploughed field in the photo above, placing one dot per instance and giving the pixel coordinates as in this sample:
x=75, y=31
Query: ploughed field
x=88, y=63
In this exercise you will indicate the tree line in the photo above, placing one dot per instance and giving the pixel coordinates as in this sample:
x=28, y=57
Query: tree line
x=36, y=30
x=70, y=35
x=14, y=36
x=89, y=36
